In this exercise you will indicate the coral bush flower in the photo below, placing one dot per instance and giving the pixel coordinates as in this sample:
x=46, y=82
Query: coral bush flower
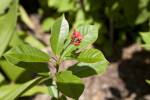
x=76, y=38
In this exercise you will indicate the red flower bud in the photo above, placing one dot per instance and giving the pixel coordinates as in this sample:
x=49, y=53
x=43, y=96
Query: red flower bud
x=74, y=31
x=77, y=37
x=72, y=36
x=76, y=44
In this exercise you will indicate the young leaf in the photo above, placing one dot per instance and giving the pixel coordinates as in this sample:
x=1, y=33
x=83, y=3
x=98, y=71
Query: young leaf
x=90, y=34
x=22, y=89
x=38, y=67
x=27, y=53
x=52, y=89
x=88, y=69
x=7, y=26
x=59, y=33
x=69, y=84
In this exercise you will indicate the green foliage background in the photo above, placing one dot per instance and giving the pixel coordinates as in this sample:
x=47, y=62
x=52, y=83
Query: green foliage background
x=118, y=21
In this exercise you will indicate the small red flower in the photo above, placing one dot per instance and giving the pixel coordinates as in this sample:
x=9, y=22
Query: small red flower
x=76, y=38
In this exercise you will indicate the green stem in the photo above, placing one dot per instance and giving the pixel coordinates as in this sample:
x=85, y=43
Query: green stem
x=62, y=53
x=58, y=63
x=54, y=59
x=57, y=69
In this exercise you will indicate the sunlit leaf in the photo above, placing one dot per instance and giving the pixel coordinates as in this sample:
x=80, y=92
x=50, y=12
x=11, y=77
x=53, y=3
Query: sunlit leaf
x=27, y=53
x=66, y=5
x=22, y=89
x=5, y=89
x=4, y=4
x=148, y=81
x=145, y=37
x=25, y=18
x=59, y=33
x=47, y=24
x=7, y=26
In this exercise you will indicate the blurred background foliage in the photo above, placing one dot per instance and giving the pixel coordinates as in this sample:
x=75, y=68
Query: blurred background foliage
x=119, y=23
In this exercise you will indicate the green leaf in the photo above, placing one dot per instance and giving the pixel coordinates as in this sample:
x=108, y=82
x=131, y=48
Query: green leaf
x=20, y=37
x=90, y=34
x=5, y=89
x=88, y=69
x=22, y=89
x=47, y=23
x=27, y=53
x=25, y=18
x=14, y=73
x=69, y=84
x=4, y=4
x=146, y=46
x=91, y=56
x=7, y=26
x=148, y=81
x=36, y=90
x=142, y=17
x=2, y=79
x=66, y=5
x=34, y=42
x=145, y=37
x=88, y=56
x=59, y=33
x=144, y=13
x=62, y=6
x=38, y=67
x=52, y=89
x=16, y=40
x=52, y=3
